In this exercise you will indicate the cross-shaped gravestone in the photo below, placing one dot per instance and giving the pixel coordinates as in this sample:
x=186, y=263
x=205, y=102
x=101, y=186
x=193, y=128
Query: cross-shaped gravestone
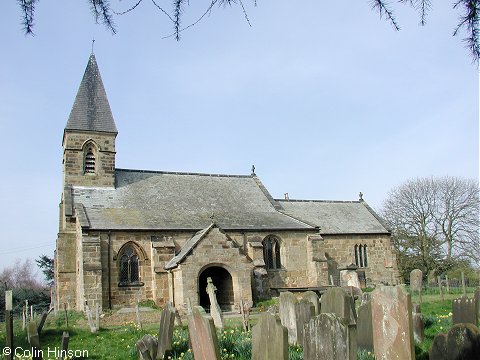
x=215, y=310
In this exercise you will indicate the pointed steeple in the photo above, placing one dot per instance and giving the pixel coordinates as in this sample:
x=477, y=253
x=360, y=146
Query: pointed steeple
x=91, y=111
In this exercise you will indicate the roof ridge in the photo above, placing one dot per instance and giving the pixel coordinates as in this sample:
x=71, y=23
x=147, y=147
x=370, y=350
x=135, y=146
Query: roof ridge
x=320, y=201
x=181, y=173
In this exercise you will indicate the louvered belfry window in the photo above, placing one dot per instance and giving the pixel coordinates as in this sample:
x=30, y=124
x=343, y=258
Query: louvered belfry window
x=129, y=267
x=90, y=161
x=271, y=253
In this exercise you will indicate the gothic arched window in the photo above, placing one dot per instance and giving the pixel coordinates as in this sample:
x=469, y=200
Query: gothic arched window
x=271, y=253
x=129, y=270
x=361, y=256
x=89, y=160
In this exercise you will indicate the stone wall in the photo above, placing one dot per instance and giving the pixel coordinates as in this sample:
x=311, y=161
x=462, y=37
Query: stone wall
x=73, y=159
x=381, y=261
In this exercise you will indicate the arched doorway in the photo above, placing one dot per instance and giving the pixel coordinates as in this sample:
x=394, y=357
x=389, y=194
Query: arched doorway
x=222, y=280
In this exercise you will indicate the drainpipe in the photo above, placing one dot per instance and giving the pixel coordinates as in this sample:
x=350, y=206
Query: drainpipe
x=109, y=270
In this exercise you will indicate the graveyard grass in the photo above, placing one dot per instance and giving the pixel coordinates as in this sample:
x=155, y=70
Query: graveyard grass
x=118, y=341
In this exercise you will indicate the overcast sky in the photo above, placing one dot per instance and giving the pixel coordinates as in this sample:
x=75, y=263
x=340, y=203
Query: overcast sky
x=326, y=100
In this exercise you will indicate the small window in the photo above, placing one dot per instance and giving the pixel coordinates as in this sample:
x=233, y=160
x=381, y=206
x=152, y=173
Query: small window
x=271, y=253
x=129, y=270
x=90, y=160
x=361, y=255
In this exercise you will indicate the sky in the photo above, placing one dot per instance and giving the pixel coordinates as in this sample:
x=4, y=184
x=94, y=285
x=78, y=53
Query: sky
x=323, y=97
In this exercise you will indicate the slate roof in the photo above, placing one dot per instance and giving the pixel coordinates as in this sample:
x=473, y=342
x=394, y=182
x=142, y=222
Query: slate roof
x=91, y=110
x=149, y=200
x=336, y=217
x=187, y=247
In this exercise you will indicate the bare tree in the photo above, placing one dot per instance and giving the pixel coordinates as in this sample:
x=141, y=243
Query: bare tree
x=21, y=275
x=103, y=12
x=434, y=220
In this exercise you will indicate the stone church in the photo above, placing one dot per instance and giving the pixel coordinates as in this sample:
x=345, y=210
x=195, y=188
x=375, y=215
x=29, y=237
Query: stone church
x=132, y=235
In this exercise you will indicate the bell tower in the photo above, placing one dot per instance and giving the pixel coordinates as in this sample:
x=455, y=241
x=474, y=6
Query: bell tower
x=89, y=136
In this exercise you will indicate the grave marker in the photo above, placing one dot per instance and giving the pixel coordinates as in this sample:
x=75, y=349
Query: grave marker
x=418, y=324
x=312, y=297
x=215, y=310
x=9, y=323
x=364, y=326
x=147, y=347
x=337, y=301
x=461, y=343
x=64, y=346
x=293, y=315
x=137, y=316
x=91, y=323
x=203, y=335
x=416, y=279
x=165, y=332
x=464, y=310
x=392, y=323
x=327, y=337
x=269, y=339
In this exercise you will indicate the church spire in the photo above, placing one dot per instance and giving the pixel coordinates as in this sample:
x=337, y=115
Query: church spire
x=91, y=111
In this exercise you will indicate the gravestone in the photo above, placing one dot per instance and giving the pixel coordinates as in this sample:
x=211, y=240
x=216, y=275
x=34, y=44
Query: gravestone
x=327, y=337
x=338, y=302
x=293, y=315
x=245, y=311
x=364, y=326
x=91, y=323
x=418, y=324
x=64, y=346
x=165, y=332
x=392, y=323
x=416, y=278
x=269, y=339
x=349, y=278
x=462, y=342
x=147, y=347
x=313, y=298
x=431, y=279
x=137, y=316
x=34, y=340
x=203, y=335
x=9, y=323
x=41, y=323
x=464, y=310
x=477, y=301
x=215, y=310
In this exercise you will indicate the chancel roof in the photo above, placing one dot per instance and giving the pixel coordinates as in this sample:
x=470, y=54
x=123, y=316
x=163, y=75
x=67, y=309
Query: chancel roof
x=149, y=200
x=91, y=110
x=336, y=217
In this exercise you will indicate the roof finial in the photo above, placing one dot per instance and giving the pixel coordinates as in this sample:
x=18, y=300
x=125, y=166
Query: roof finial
x=212, y=217
x=253, y=169
x=93, y=43
x=360, y=196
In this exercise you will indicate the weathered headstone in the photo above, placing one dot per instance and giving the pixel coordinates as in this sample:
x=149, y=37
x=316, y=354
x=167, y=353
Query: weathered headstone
x=461, y=343
x=245, y=311
x=464, y=310
x=215, y=310
x=137, y=316
x=431, y=279
x=364, y=326
x=147, y=347
x=349, y=278
x=203, y=335
x=43, y=318
x=440, y=287
x=9, y=323
x=269, y=339
x=293, y=315
x=392, y=323
x=64, y=346
x=178, y=319
x=416, y=276
x=327, y=337
x=463, y=284
x=418, y=324
x=337, y=301
x=477, y=301
x=165, y=333
x=313, y=298
x=34, y=340
x=91, y=323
